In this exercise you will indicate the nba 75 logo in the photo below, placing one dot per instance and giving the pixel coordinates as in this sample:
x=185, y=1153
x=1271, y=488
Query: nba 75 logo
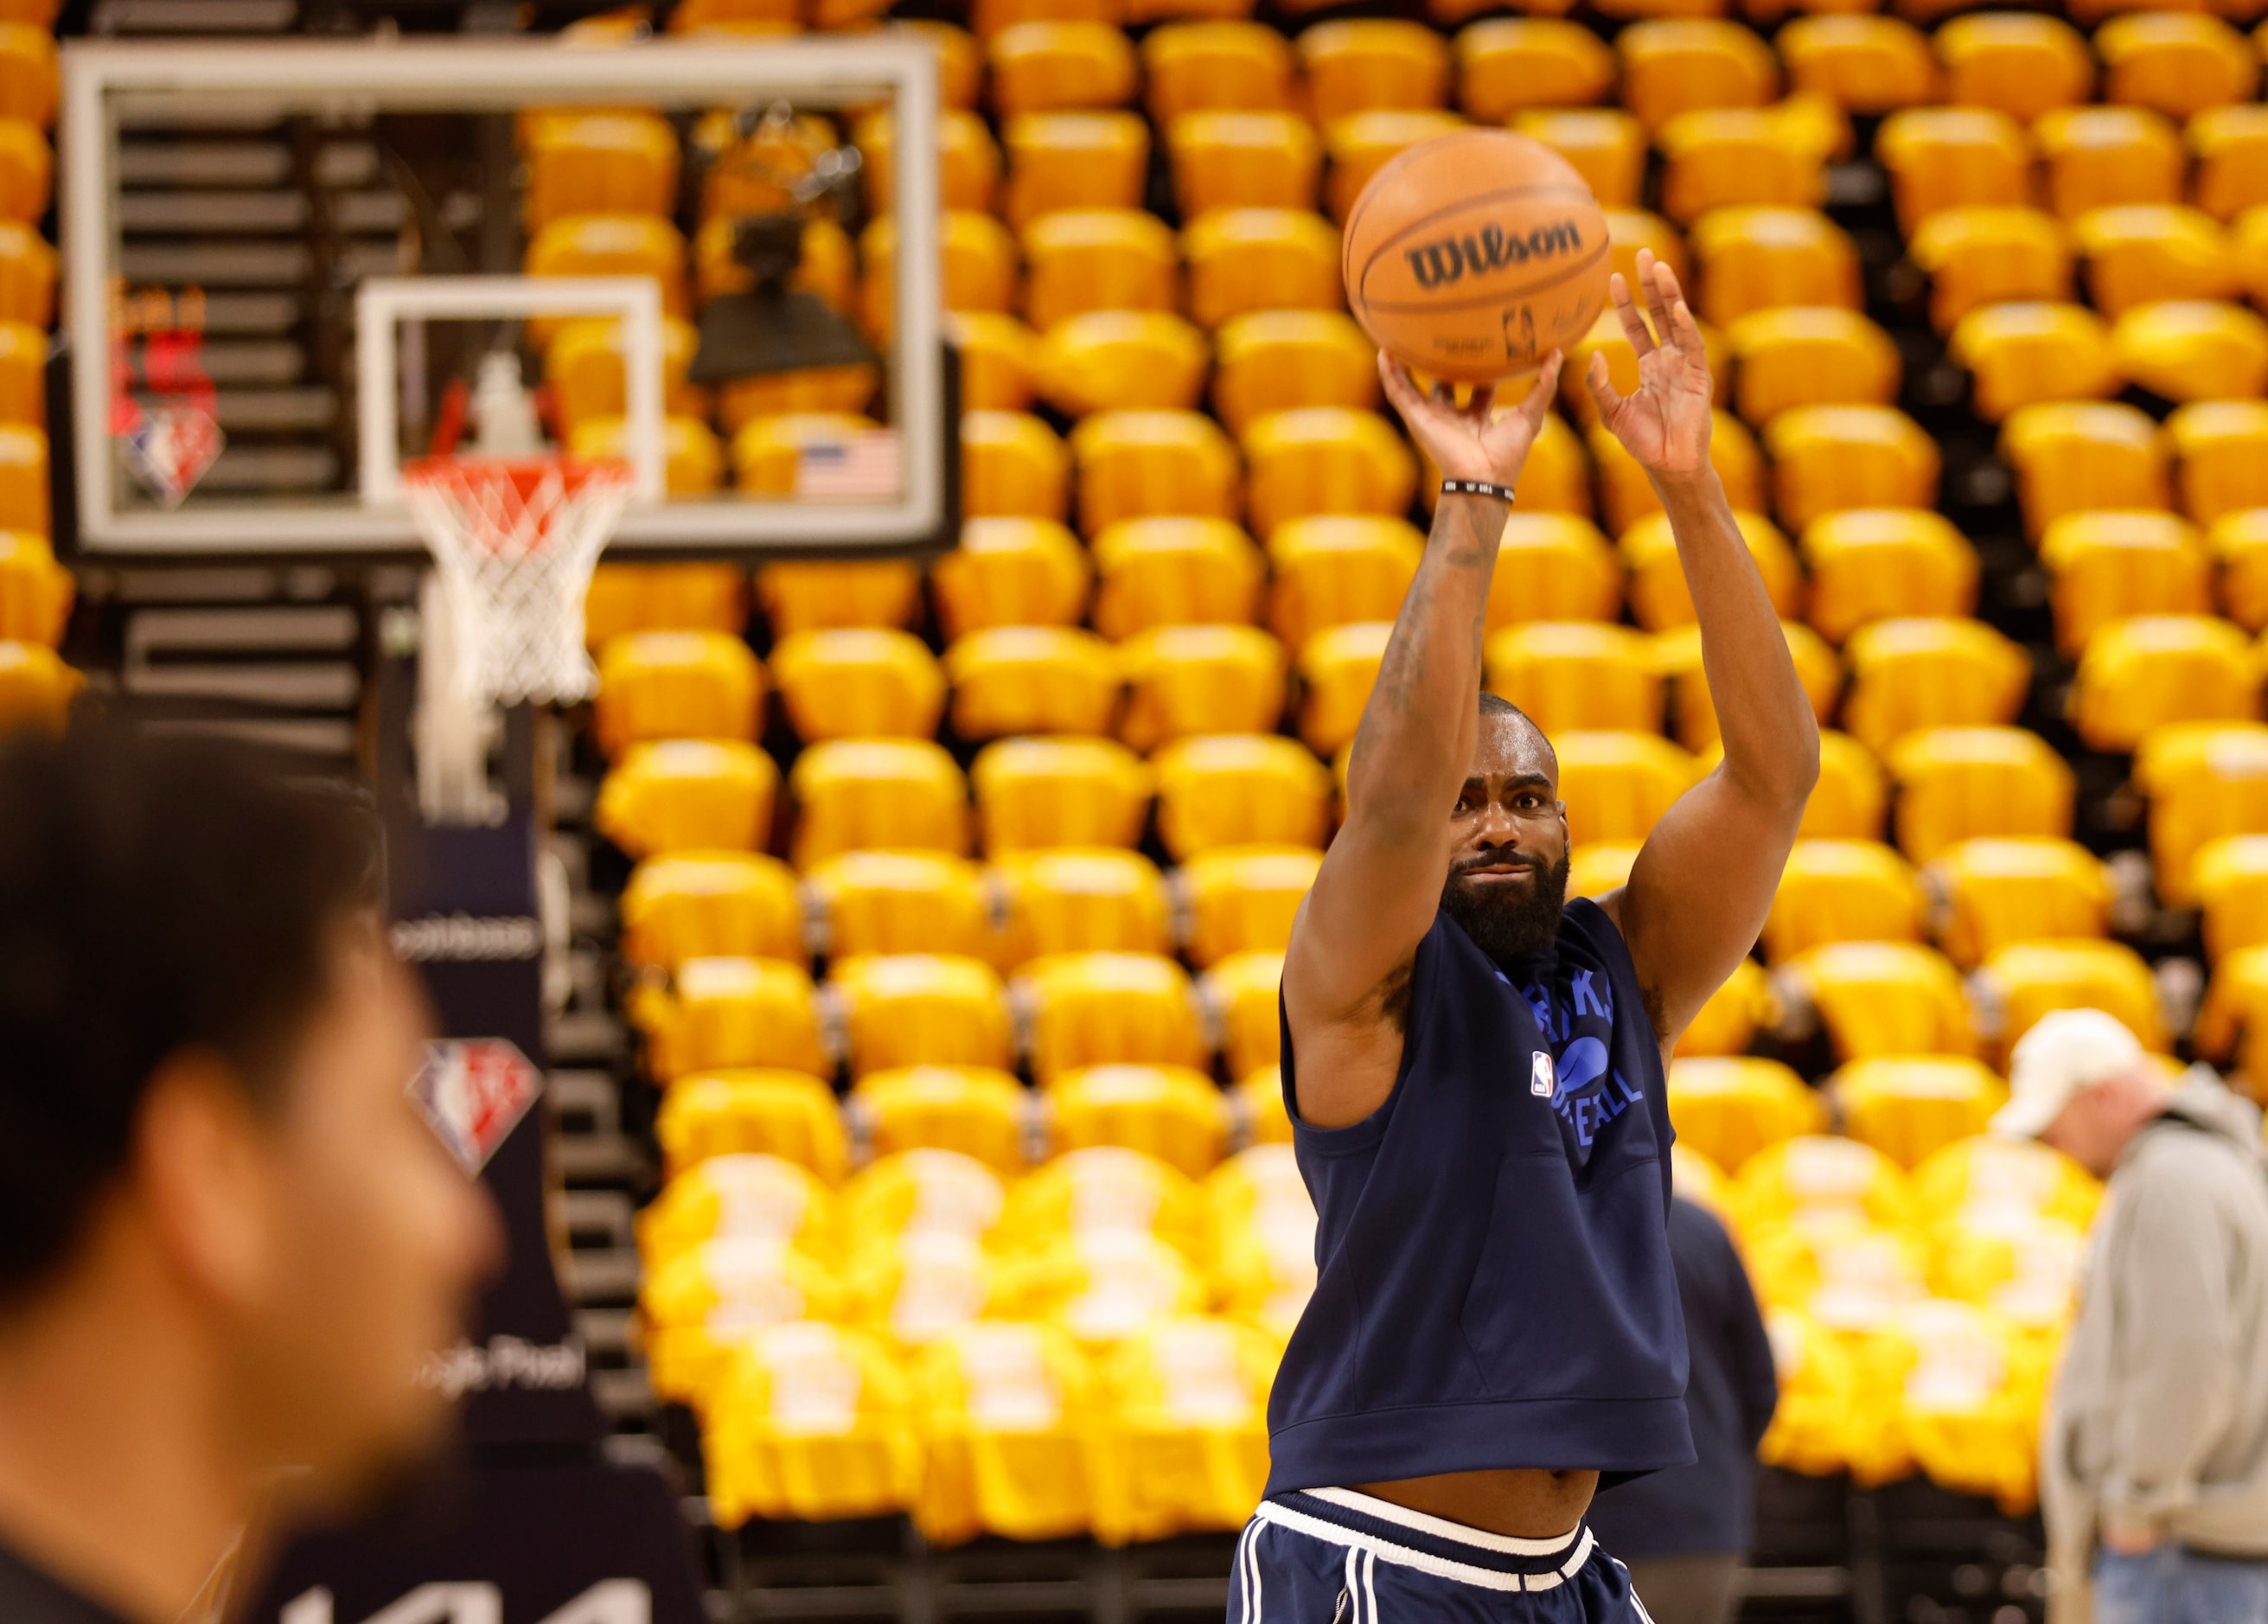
x=1438, y=264
x=474, y=1091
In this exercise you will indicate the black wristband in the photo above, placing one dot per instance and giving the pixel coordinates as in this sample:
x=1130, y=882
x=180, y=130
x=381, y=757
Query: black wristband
x=1475, y=487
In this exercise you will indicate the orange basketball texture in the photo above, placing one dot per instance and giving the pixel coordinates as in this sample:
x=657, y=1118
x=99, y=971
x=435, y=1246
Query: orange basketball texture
x=1472, y=254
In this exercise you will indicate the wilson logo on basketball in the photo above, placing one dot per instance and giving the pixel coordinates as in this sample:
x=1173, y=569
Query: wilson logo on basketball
x=1444, y=264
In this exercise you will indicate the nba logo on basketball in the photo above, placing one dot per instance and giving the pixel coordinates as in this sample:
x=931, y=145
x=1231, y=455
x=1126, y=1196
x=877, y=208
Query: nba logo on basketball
x=1540, y=1082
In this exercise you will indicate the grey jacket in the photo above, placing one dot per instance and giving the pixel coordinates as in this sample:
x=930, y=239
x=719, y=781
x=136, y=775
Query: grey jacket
x=2160, y=1413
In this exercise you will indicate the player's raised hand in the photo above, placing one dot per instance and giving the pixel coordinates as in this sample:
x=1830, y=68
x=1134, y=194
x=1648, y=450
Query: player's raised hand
x=1664, y=422
x=1470, y=441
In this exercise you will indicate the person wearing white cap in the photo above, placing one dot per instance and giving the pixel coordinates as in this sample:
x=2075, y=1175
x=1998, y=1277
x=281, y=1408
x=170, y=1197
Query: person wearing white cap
x=2154, y=1476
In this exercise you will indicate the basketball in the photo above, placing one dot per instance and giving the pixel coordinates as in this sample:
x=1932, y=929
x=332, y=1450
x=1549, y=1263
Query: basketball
x=1471, y=255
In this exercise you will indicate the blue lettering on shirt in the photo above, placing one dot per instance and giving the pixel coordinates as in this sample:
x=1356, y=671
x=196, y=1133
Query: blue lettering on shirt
x=1589, y=1096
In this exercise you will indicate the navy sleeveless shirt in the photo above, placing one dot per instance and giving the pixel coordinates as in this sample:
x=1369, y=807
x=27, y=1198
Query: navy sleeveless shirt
x=1494, y=1287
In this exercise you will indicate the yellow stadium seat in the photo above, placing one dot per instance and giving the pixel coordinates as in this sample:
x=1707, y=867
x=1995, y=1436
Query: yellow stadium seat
x=1606, y=145
x=1842, y=890
x=1104, y=1190
x=1259, y=1102
x=969, y=163
x=1033, y=794
x=27, y=276
x=36, y=688
x=1870, y=564
x=610, y=245
x=599, y=163
x=1240, y=994
x=2247, y=236
x=2147, y=670
x=978, y=274
x=2020, y=352
x=731, y=1012
x=1629, y=229
x=1243, y=161
x=900, y=902
x=1325, y=460
x=2239, y=541
x=1571, y=675
x=676, y=685
x=1911, y=675
x=1174, y=572
x=1240, y=790
x=1110, y=1008
x=1337, y=669
x=973, y=1110
x=1013, y=466
x=1802, y=356
x=2230, y=879
x=790, y=1115
x=2017, y=63
x=2193, y=350
x=999, y=357
x=1953, y=158
x=2000, y=891
x=1760, y=259
x=858, y=682
x=1617, y=784
x=1728, y=1022
x=2219, y=468
x=24, y=479
x=1972, y=1178
x=1601, y=866
x=921, y=1192
x=693, y=458
x=1087, y=163
x=1885, y=997
x=1626, y=494
x=821, y=597
x=1677, y=659
x=1826, y=459
x=1166, y=1111
x=2230, y=145
x=1105, y=360
x=829, y=268
x=1187, y=680
x=2097, y=157
x=1135, y=464
x=702, y=1305
x=1096, y=899
x=1557, y=478
x=1864, y=64
x=814, y=1421
x=1031, y=679
x=27, y=170
x=27, y=71
x=1659, y=597
x=1848, y=802
x=921, y=1009
x=739, y=1196
x=856, y=794
x=1730, y=1107
x=1263, y=1237
x=2205, y=781
x=1912, y=1106
x=1673, y=65
x=1243, y=261
x=1339, y=570
x=1508, y=64
x=1957, y=783
x=1054, y=67
x=1010, y=572
x=1979, y=256
x=1084, y=260
x=2072, y=455
x=2108, y=564
x=35, y=592
x=987, y=18
x=1549, y=566
x=1185, y=1445
x=688, y=795
x=913, y=1289
x=1813, y=1176
x=1275, y=360
x=768, y=451
x=1004, y=1408
x=2141, y=253
x=710, y=904
x=1242, y=899
x=2030, y=979
x=584, y=366
x=1720, y=158
x=2174, y=63
x=1361, y=143
x=2233, y=1023
x=660, y=597
x=1216, y=66
x=1364, y=64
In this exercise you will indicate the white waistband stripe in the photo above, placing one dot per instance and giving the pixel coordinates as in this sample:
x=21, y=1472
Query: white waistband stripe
x=1441, y=1527
x=1403, y=1556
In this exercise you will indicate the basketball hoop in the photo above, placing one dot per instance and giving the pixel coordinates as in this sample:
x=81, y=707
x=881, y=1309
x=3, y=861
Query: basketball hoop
x=514, y=540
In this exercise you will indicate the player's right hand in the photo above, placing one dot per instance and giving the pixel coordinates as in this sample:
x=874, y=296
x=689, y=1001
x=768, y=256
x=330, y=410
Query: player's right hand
x=1472, y=441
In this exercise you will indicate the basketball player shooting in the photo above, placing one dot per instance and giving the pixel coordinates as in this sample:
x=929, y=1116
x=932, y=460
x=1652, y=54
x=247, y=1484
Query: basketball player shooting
x=1475, y=1066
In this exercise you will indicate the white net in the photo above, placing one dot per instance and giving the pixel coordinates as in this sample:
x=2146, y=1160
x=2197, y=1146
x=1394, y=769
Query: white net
x=514, y=540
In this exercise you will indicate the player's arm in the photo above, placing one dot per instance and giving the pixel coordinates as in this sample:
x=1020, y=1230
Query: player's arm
x=1704, y=882
x=1380, y=882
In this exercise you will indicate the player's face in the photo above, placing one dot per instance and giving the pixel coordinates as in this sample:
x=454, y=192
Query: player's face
x=1507, y=876
x=376, y=1241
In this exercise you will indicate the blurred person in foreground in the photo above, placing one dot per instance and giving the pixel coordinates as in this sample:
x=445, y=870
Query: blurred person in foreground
x=2153, y=1471
x=1684, y=1533
x=227, y=1238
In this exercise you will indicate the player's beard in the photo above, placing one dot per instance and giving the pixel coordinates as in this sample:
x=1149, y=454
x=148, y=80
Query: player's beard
x=1508, y=923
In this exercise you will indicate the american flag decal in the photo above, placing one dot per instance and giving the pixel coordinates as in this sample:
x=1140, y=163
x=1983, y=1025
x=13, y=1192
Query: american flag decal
x=858, y=467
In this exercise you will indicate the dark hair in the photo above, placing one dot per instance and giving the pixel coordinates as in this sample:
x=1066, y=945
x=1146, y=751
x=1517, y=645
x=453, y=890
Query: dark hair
x=156, y=893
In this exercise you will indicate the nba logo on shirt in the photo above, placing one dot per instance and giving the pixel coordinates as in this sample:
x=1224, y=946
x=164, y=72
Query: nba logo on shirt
x=1539, y=1074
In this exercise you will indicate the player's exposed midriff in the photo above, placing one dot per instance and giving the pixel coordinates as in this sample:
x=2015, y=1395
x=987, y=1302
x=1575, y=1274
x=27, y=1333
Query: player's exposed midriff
x=1521, y=1504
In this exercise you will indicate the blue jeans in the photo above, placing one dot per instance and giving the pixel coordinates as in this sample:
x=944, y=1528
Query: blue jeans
x=2171, y=1585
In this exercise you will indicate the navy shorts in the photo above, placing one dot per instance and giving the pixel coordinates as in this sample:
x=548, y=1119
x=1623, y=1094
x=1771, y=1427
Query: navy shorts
x=1332, y=1556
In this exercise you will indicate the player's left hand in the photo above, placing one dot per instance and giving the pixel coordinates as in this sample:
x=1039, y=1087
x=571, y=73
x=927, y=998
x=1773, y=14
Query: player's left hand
x=1664, y=422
